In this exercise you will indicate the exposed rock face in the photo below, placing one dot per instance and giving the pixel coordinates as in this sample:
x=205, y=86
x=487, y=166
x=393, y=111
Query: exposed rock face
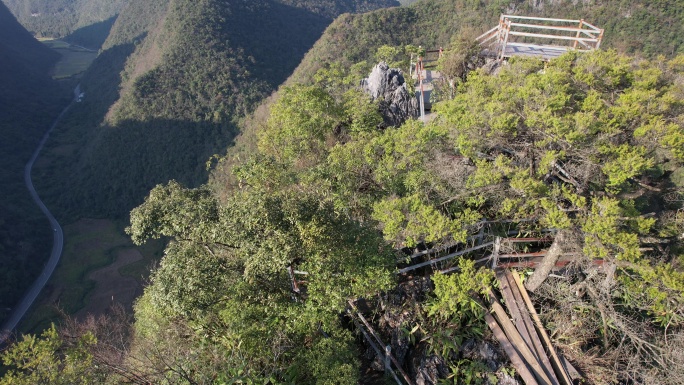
x=388, y=85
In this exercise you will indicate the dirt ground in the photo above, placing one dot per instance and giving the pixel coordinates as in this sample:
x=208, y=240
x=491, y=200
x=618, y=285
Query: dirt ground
x=111, y=287
x=88, y=278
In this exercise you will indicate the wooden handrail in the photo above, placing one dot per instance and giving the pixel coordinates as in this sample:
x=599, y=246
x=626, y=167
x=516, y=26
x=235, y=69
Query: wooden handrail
x=557, y=28
x=495, y=29
x=586, y=36
x=544, y=36
x=539, y=18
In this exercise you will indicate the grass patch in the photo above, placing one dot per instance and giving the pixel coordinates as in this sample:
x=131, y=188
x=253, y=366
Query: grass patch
x=75, y=60
x=152, y=252
x=89, y=244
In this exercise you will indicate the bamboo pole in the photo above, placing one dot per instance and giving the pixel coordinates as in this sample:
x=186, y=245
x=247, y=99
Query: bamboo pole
x=512, y=354
x=527, y=321
x=555, y=361
x=518, y=341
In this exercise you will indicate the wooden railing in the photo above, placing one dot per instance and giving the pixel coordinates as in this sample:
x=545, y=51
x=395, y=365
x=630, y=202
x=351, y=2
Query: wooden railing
x=535, y=34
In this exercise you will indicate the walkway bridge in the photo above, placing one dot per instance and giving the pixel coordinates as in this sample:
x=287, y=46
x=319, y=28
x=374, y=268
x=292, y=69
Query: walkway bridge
x=423, y=71
x=541, y=37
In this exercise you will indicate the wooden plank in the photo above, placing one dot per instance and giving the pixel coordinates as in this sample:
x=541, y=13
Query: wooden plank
x=525, y=240
x=554, y=28
x=512, y=354
x=444, y=258
x=527, y=321
x=514, y=311
x=545, y=36
x=574, y=373
x=520, y=255
x=540, y=19
x=534, y=263
x=555, y=361
x=518, y=342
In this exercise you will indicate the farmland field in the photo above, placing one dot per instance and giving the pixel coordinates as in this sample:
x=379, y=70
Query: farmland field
x=75, y=59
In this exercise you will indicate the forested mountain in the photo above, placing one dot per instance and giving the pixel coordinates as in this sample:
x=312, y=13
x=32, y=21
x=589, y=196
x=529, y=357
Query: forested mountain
x=325, y=202
x=84, y=22
x=174, y=78
x=29, y=100
x=643, y=28
x=588, y=148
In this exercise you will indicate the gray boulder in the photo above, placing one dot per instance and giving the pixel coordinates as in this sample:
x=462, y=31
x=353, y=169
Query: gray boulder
x=389, y=87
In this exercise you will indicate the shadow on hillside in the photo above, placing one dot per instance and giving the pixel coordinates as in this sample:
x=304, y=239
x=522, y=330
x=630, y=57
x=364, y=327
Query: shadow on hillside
x=117, y=171
x=277, y=37
x=92, y=36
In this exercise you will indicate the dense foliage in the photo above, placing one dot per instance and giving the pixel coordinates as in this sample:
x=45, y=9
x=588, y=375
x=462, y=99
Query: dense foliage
x=644, y=28
x=260, y=265
x=84, y=22
x=589, y=145
x=30, y=100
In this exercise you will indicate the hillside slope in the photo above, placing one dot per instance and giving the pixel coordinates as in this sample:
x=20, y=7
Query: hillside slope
x=29, y=100
x=84, y=22
x=173, y=80
x=638, y=27
x=434, y=23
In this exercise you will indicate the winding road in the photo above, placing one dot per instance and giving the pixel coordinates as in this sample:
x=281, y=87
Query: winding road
x=57, y=242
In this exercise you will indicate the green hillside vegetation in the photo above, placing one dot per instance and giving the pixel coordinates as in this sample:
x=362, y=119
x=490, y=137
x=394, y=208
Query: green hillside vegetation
x=587, y=145
x=85, y=22
x=173, y=80
x=30, y=100
x=645, y=28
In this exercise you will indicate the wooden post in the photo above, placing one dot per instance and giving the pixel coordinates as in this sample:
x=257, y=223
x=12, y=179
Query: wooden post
x=507, y=31
x=581, y=24
x=495, y=252
x=600, y=37
x=420, y=82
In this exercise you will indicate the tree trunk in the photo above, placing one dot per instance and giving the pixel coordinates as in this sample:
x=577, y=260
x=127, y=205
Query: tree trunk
x=547, y=263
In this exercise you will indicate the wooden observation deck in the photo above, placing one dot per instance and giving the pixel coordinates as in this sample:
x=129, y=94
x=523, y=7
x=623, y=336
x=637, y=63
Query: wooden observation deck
x=538, y=37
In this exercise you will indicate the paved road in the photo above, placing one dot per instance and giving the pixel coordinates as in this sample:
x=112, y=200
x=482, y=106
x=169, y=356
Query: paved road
x=57, y=243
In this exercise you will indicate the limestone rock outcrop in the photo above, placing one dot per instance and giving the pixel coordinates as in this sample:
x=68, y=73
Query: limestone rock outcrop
x=389, y=87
